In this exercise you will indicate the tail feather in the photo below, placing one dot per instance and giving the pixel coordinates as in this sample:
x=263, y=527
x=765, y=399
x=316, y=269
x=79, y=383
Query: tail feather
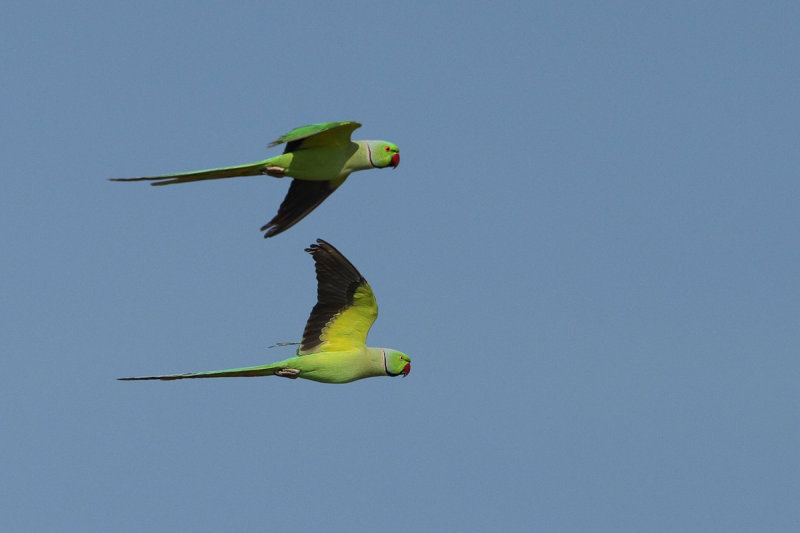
x=250, y=169
x=247, y=372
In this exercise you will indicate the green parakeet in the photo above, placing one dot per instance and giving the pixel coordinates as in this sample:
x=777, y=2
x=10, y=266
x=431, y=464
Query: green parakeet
x=319, y=157
x=334, y=348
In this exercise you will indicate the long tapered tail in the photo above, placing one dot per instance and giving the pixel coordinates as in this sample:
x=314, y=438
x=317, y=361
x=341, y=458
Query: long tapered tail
x=250, y=169
x=247, y=372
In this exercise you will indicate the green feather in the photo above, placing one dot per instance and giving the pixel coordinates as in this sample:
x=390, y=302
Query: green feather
x=334, y=129
x=315, y=153
x=334, y=348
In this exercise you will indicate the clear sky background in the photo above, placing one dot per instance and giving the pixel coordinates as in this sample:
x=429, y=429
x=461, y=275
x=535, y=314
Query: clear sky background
x=589, y=250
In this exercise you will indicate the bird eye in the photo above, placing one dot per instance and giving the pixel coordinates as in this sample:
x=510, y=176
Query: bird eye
x=387, y=149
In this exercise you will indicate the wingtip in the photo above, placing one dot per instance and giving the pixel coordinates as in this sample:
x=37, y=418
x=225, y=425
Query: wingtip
x=271, y=230
x=313, y=247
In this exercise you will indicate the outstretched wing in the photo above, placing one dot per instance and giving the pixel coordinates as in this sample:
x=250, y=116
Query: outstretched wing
x=324, y=134
x=302, y=198
x=345, y=309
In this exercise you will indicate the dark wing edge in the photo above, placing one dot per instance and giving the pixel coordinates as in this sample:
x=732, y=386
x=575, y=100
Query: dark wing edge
x=302, y=198
x=337, y=282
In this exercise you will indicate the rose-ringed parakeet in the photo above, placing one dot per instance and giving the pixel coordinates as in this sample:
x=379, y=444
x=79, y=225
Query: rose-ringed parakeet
x=334, y=348
x=319, y=157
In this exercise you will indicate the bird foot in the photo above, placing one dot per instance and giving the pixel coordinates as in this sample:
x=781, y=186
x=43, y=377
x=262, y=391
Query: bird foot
x=290, y=373
x=275, y=172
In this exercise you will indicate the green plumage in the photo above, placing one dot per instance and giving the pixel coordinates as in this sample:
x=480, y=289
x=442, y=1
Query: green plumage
x=319, y=157
x=334, y=348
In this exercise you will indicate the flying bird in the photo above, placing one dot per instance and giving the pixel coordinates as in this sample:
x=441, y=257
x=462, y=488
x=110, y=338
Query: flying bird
x=319, y=157
x=334, y=347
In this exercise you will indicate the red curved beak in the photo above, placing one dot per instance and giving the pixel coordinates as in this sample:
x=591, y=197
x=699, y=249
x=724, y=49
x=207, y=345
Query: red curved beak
x=406, y=369
x=395, y=160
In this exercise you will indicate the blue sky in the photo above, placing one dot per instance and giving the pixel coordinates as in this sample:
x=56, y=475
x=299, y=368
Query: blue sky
x=589, y=250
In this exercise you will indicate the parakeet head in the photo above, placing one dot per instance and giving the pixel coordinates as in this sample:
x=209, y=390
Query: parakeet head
x=396, y=363
x=383, y=154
